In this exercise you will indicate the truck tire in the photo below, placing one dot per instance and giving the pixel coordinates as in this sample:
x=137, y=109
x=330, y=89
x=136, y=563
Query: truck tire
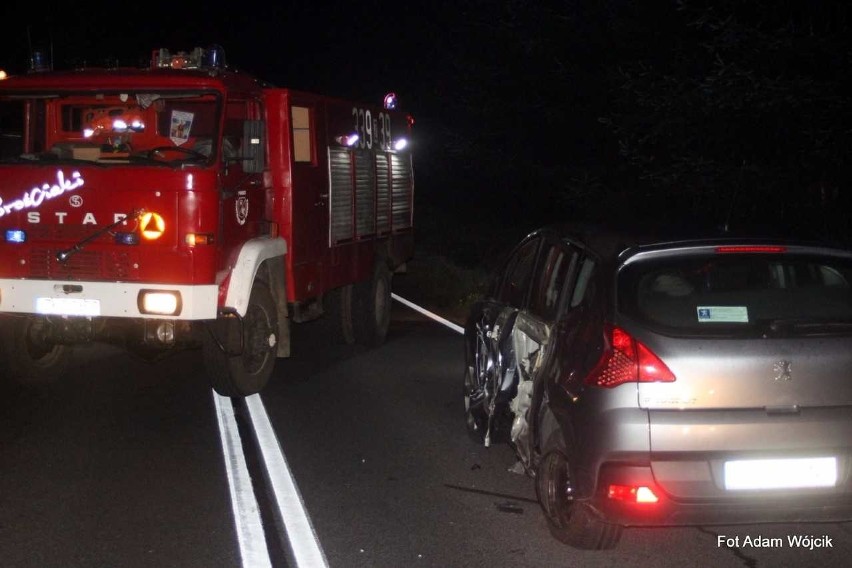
x=337, y=305
x=248, y=372
x=25, y=359
x=371, y=305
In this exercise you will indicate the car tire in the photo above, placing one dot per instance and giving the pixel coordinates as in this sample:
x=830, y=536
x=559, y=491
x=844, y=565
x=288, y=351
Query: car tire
x=571, y=522
x=476, y=418
x=247, y=372
x=26, y=360
x=371, y=307
x=479, y=390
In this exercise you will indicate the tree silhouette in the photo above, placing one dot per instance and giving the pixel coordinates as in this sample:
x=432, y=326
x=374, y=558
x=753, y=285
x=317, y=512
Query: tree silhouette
x=745, y=121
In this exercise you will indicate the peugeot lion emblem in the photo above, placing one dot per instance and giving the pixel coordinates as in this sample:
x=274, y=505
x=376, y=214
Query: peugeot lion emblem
x=783, y=370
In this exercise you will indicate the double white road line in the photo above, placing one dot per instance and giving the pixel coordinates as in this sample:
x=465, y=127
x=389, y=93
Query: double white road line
x=304, y=546
x=305, y=550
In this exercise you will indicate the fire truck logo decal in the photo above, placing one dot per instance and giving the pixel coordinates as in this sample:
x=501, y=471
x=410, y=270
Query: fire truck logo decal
x=242, y=206
x=75, y=201
x=33, y=198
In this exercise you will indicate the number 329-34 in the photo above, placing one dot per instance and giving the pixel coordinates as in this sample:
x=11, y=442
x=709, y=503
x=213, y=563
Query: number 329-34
x=372, y=130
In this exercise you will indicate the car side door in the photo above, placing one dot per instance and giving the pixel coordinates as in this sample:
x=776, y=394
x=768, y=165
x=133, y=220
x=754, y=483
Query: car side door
x=490, y=368
x=489, y=354
x=579, y=327
x=552, y=282
x=533, y=338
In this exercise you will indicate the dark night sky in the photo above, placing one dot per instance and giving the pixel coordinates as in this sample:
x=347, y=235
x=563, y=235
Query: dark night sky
x=352, y=49
x=531, y=112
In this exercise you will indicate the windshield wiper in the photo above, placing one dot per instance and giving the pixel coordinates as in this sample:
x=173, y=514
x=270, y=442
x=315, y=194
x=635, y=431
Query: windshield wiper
x=77, y=161
x=137, y=158
x=63, y=255
x=184, y=154
x=53, y=159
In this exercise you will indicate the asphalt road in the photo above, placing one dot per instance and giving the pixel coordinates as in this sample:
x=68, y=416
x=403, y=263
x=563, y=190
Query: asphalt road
x=121, y=465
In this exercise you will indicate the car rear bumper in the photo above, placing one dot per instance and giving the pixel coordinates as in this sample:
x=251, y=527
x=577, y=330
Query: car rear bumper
x=682, y=456
x=727, y=507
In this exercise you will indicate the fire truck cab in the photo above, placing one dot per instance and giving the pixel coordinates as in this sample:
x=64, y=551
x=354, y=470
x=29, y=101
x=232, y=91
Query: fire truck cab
x=189, y=204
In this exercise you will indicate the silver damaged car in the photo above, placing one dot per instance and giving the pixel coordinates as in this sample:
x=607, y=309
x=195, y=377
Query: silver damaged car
x=645, y=382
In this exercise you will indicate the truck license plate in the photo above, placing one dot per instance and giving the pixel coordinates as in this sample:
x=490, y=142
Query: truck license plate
x=781, y=473
x=68, y=306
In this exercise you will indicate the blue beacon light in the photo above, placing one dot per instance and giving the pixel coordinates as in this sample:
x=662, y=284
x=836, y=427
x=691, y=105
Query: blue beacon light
x=16, y=236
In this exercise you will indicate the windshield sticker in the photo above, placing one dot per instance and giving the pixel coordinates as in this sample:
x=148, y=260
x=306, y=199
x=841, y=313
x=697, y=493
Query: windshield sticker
x=180, y=127
x=723, y=314
x=35, y=197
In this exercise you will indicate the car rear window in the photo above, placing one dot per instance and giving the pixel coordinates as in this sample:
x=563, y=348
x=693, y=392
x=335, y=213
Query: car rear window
x=739, y=294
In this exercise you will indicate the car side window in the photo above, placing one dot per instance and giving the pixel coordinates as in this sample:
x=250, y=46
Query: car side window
x=558, y=267
x=584, y=282
x=518, y=274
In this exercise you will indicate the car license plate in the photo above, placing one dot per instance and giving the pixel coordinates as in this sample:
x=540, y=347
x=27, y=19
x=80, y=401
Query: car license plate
x=781, y=473
x=68, y=306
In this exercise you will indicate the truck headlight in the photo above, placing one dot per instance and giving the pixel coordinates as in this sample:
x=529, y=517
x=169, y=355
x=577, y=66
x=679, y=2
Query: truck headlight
x=159, y=302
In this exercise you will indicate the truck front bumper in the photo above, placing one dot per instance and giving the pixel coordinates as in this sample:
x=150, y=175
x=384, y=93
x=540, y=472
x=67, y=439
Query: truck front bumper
x=104, y=299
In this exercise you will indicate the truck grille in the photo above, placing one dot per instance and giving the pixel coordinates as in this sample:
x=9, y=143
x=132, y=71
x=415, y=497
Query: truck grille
x=84, y=265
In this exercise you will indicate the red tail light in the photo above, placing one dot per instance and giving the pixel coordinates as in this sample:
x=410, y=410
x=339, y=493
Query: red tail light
x=632, y=494
x=626, y=360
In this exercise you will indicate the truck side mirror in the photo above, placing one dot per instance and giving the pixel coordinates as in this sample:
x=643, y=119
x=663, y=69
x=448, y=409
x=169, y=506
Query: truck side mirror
x=253, y=152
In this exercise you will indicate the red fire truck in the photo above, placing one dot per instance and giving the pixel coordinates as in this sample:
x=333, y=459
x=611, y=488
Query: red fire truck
x=189, y=204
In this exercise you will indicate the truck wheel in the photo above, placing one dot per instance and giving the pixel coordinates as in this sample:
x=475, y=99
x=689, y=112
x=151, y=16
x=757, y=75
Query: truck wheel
x=27, y=359
x=571, y=522
x=371, y=307
x=248, y=372
x=337, y=305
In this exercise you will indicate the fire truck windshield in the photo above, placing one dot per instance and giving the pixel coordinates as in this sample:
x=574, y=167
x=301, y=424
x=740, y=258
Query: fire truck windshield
x=140, y=129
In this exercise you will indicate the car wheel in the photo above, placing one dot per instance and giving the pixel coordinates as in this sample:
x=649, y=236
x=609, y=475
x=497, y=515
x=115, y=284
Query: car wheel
x=486, y=417
x=475, y=417
x=246, y=372
x=371, y=307
x=477, y=379
x=571, y=522
x=26, y=358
